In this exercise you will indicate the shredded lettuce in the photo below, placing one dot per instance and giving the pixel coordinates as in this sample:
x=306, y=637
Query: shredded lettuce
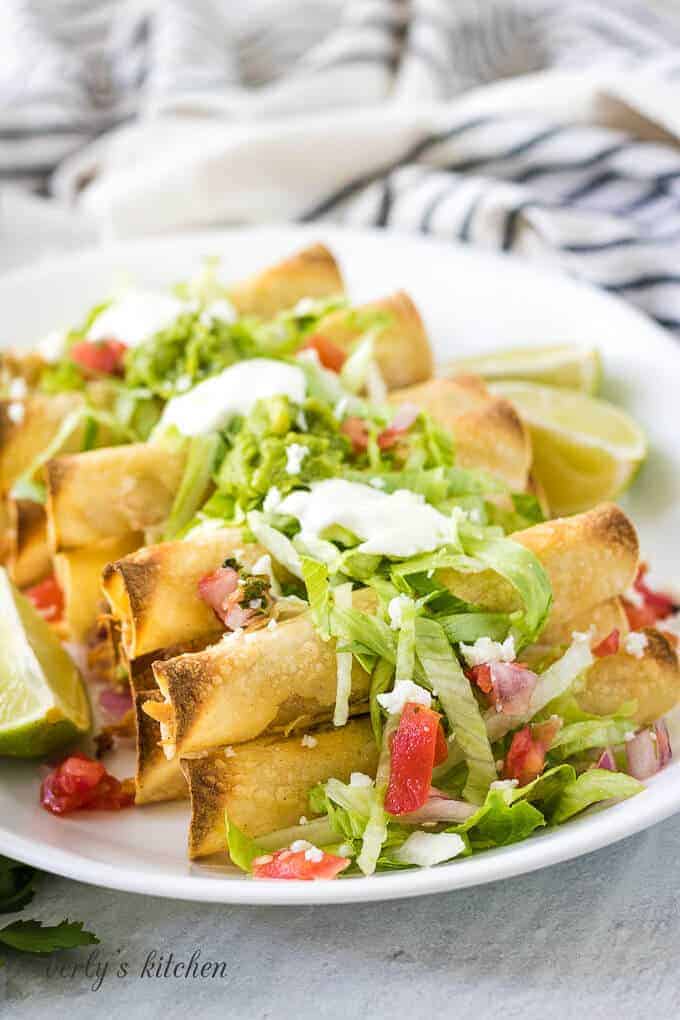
x=591, y=787
x=275, y=542
x=582, y=736
x=202, y=456
x=375, y=833
x=500, y=821
x=315, y=576
x=381, y=681
x=242, y=849
x=342, y=598
x=467, y=627
x=450, y=685
x=406, y=642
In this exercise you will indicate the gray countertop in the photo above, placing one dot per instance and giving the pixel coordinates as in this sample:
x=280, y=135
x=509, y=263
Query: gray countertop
x=601, y=934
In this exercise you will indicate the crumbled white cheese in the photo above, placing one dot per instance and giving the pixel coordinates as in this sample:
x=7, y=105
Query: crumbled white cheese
x=314, y=854
x=394, y=701
x=17, y=389
x=486, y=650
x=16, y=413
x=272, y=625
x=309, y=741
x=295, y=454
x=300, y=844
x=360, y=779
x=255, y=604
x=395, y=610
x=584, y=635
x=251, y=636
x=305, y=306
x=503, y=784
x=635, y=643
x=271, y=500
x=428, y=848
x=229, y=752
x=183, y=383
x=303, y=820
x=630, y=735
x=377, y=483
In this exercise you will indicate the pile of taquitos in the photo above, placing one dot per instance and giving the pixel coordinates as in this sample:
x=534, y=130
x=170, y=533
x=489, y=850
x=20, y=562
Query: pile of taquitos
x=358, y=597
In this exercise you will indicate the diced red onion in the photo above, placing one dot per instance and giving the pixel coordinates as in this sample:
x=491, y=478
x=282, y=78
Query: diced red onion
x=663, y=744
x=404, y=417
x=641, y=755
x=513, y=685
x=606, y=760
x=439, y=809
x=115, y=703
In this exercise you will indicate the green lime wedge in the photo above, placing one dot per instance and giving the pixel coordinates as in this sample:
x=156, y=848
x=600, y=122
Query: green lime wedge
x=568, y=366
x=585, y=450
x=43, y=702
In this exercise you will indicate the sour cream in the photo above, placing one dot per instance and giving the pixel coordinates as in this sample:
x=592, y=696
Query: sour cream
x=209, y=406
x=389, y=524
x=136, y=316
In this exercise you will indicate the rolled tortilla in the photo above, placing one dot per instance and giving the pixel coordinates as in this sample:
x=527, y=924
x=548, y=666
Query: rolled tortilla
x=488, y=432
x=402, y=349
x=589, y=558
x=651, y=680
x=27, y=554
x=264, y=785
x=603, y=619
x=250, y=683
x=154, y=593
x=79, y=572
x=312, y=272
x=108, y=493
x=156, y=777
x=23, y=438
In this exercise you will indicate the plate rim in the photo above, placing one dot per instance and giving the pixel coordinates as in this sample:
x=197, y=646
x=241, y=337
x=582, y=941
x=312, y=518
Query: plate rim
x=581, y=836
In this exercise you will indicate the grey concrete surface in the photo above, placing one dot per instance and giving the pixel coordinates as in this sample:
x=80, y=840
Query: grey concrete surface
x=597, y=937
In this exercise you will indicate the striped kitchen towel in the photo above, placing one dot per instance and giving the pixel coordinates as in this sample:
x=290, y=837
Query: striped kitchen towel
x=547, y=127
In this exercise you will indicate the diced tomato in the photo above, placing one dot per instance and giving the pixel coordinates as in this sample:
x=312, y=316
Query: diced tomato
x=79, y=783
x=441, y=747
x=355, y=429
x=413, y=752
x=525, y=759
x=48, y=598
x=99, y=357
x=215, y=589
x=655, y=606
x=299, y=864
x=608, y=645
x=481, y=676
x=330, y=354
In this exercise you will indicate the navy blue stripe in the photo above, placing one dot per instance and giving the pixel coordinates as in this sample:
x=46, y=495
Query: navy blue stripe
x=517, y=150
x=511, y=222
x=383, y=215
x=642, y=282
x=667, y=323
x=579, y=164
x=434, y=203
x=464, y=232
x=594, y=184
x=410, y=155
x=631, y=241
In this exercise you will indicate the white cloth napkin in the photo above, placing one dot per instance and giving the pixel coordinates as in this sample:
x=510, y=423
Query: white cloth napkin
x=548, y=128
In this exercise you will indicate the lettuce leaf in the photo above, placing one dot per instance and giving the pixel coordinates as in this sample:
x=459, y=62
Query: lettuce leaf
x=201, y=463
x=242, y=849
x=591, y=787
x=451, y=686
x=500, y=821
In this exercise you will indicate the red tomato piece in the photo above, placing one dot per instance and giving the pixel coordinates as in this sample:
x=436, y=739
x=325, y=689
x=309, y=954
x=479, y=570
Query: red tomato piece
x=299, y=864
x=525, y=759
x=99, y=357
x=441, y=747
x=48, y=598
x=78, y=783
x=357, y=432
x=481, y=676
x=401, y=423
x=656, y=606
x=608, y=646
x=330, y=354
x=412, y=759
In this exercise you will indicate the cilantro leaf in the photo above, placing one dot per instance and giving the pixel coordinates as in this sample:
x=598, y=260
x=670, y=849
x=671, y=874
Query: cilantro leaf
x=34, y=937
x=16, y=885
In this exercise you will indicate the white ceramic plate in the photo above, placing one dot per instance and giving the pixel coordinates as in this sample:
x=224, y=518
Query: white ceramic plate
x=470, y=301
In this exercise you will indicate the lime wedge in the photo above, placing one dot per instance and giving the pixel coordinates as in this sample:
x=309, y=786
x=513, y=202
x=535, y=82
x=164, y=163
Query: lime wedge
x=43, y=702
x=585, y=450
x=568, y=366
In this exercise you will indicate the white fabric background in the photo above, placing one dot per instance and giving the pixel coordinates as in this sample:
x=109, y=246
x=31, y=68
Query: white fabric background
x=548, y=127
